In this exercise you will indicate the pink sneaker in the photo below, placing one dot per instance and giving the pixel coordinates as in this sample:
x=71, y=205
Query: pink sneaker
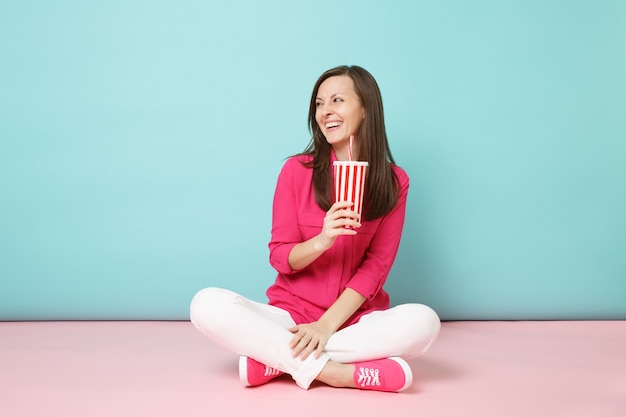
x=252, y=373
x=391, y=374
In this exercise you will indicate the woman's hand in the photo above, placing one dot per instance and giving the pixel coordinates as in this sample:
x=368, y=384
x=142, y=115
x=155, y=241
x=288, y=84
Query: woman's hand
x=339, y=220
x=308, y=338
x=314, y=336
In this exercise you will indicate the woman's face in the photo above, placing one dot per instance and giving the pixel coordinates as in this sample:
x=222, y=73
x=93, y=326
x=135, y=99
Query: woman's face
x=339, y=112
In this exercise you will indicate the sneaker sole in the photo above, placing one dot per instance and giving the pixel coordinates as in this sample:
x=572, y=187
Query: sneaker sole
x=407, y=372
x=243, y=371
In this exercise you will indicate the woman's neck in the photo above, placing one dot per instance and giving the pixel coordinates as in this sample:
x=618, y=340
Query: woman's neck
x=342, y=154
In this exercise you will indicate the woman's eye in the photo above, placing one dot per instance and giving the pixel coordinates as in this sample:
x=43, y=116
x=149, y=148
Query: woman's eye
x=338, y=99
x=318, y=104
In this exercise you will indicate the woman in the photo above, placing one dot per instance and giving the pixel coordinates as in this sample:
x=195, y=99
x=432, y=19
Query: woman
x=328, y=317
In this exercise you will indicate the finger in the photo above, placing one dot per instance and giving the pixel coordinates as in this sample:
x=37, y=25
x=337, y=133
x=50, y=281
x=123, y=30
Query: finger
x=340, y=205
x=302, y=343
x=299, y=351
x=351, y=214
x=298, y=334
x=345, y=213
x=351, y=220
x=294, y=342
x=344, y=226
x=321, y=345
x=341, y=220
x=345, y=229
x=318, y=351
x=308, y=350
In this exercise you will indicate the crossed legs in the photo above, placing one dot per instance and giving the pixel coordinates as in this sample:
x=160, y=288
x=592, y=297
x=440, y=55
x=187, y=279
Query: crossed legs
x=259, y=331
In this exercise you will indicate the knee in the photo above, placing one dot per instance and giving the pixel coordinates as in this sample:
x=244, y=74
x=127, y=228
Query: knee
x=207, y=301
x=421, y=319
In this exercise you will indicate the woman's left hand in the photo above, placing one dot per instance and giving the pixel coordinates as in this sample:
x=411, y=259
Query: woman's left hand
x=308, y=338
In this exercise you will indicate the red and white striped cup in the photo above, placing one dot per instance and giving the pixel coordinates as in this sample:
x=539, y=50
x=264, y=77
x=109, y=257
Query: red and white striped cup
x=350, y=182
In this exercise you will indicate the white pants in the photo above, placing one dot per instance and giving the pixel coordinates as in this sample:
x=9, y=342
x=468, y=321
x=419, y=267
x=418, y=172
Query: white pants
x=259, y=331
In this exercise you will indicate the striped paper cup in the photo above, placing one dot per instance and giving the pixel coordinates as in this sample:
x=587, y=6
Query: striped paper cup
x=350, y=182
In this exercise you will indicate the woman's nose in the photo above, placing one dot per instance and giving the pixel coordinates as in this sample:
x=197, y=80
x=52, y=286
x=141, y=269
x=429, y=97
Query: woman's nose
x=326, y=109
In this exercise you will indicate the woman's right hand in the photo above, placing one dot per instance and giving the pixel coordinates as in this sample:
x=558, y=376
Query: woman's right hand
x=339, y=220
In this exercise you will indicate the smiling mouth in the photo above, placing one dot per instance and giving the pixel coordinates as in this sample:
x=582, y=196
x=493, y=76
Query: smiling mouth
x=330, y=125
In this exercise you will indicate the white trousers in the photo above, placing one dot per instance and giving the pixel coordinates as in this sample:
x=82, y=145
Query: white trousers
x=259, y=331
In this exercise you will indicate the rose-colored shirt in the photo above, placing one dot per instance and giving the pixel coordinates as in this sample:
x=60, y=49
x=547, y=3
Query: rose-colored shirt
x=361, y=262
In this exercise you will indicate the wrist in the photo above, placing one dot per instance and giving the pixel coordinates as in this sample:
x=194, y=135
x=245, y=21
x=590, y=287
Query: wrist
x=319, y=244
x=328, y=324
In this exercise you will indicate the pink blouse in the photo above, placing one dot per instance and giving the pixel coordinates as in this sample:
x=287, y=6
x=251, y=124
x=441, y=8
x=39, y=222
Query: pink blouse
x=361, y=262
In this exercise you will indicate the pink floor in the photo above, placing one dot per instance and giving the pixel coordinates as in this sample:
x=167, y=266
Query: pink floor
x=482, y=369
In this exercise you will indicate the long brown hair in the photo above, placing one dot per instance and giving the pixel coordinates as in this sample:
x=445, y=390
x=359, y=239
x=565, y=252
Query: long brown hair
x=381, y=189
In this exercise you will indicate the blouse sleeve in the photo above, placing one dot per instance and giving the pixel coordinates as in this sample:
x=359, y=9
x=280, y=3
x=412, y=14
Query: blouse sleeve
x=285, y=232
x=372, y=274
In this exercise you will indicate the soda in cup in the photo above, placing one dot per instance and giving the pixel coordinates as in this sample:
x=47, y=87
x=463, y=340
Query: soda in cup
x=350, y=182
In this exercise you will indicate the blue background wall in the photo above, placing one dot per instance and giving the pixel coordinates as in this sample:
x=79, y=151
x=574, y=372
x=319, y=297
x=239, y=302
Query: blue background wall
x=140, y=143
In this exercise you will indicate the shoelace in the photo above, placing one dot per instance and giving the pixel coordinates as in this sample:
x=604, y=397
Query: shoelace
x=368, y=377
x=271, y=371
